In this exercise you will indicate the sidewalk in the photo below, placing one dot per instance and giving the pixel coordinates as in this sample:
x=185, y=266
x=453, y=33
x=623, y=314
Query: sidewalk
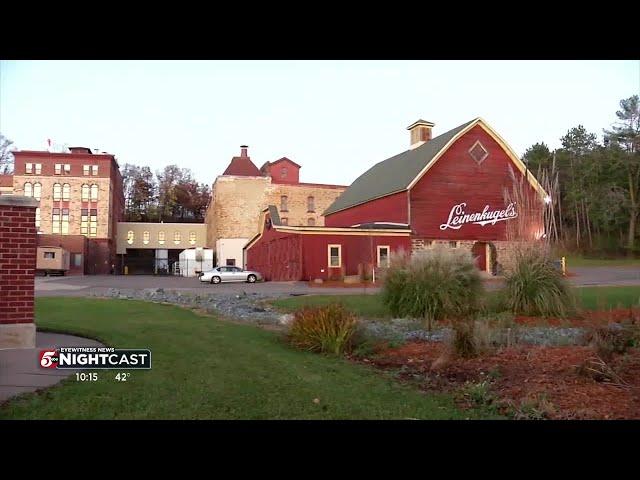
x=20, y=369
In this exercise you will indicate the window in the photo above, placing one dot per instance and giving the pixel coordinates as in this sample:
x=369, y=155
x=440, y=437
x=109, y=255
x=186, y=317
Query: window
x=67, y=168
x=478, y=152
x=85, y=193
x=335, y=255
x=66, y=192
x=93, y=222
x=311, y=204
x=283, y=172
x=85, y=169
x=192, y=238
x=94, y=169
x=161, y=238
x=38, y=168
x=58, y=168
x=231, y=262
x=284, y=221
x=453, y=244
x=55, y=219
x=145, y=237
x=177, y=237
x=49, y=254
x=428, y=243
x=283, y=203
x=57, y=191
x=311, y=222
x=37, y=190
x=130, y=237
x=383, y=256
x=28, y=168
x=28, y=190
x=77, y=260
x=94, y=192
x=84, y=221
x=38, y=218
x=65, y=222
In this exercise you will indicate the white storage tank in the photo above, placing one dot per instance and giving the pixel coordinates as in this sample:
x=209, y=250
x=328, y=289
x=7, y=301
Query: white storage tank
x=194, y=260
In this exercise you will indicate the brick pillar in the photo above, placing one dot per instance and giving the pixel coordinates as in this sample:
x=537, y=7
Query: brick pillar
x=17, y=267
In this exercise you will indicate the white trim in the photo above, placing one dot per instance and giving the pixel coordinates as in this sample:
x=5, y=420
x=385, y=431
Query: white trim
x=345, y=230
x=380, y=223
x=388, y=254
x=329, y=247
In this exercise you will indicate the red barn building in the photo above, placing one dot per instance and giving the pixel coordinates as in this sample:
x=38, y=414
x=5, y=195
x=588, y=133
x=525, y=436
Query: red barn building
x=460, y=189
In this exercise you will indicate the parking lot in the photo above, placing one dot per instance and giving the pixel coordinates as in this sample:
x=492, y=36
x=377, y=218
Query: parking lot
x=100, y=284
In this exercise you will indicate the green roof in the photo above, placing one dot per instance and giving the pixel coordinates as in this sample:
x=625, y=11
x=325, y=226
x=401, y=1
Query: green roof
x=393, y=174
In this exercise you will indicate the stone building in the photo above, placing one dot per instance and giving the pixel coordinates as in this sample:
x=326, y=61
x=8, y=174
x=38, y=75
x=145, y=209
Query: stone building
x=80, y=202
x=243, y=191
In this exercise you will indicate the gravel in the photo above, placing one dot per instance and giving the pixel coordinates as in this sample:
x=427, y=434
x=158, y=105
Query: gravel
x=254, y=308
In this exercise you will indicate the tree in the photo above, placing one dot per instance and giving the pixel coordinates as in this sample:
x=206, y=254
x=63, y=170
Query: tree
x=140, y=193
x=6, y=157
x=624, y=141
x=537, y=156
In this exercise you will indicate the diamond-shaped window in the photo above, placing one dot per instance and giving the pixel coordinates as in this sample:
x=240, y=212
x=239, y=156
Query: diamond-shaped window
x=478, y=152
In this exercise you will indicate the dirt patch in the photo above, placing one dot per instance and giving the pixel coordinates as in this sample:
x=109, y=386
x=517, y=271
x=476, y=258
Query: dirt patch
x=524, y=375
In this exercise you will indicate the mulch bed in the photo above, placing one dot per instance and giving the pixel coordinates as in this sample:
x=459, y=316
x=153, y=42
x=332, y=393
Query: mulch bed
x=546, y=377
x=587, y=318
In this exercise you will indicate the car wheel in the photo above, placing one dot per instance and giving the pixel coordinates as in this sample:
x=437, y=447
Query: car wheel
x=215, y=279
x=251, y=279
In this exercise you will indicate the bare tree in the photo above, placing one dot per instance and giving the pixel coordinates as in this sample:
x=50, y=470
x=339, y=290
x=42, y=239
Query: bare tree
x=6, y=157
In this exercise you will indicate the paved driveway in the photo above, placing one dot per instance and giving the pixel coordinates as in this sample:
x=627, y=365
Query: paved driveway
x=100, y=284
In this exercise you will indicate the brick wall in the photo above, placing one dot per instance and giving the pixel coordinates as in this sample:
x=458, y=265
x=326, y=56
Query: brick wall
x=17, y=267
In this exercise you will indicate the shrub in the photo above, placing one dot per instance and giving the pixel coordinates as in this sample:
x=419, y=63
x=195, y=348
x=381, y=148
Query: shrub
x=612, y=339
x=432, y=285
x=533, y=286
x=326, y=329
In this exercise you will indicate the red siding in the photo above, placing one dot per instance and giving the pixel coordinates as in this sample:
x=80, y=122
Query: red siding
x=392, y=208
x=277, y=169
x=357, y=250
x=276, y=255
x=292, y=256
x=457, y=177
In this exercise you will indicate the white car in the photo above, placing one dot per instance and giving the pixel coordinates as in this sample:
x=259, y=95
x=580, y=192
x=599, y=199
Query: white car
x=229, y=274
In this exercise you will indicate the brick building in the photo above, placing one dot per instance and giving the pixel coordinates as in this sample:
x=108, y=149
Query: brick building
x=80, y=203
x=243, y=191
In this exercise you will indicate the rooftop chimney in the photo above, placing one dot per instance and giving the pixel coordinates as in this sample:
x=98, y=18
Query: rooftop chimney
x=243, y=150
x=420, y=132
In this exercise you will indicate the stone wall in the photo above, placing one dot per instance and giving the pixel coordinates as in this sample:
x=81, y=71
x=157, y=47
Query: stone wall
x=236, y=204
x=17, y=269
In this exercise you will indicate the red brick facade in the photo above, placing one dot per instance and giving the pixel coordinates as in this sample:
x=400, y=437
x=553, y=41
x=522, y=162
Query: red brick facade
x=17, y=259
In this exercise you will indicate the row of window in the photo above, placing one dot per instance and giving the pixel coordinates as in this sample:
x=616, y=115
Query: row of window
x=146, y=236
x=334, y=254
x=311, y=222
x=61, y=191
x=284, y=204
x=59, y=168
x=60, y=221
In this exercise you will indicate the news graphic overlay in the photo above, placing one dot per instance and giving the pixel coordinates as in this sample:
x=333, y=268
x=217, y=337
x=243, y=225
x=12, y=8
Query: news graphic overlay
x=96, y=358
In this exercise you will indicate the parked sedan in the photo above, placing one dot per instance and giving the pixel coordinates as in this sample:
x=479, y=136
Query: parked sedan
x=229, y=274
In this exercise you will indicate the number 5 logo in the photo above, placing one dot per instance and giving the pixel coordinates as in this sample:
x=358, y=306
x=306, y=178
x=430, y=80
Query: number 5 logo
x=48, y=358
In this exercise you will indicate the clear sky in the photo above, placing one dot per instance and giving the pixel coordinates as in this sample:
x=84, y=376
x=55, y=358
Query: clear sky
x=335, y=118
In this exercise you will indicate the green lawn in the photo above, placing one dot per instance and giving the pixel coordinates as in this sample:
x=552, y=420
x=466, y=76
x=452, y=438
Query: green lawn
x=598, y=298
x=577, y=261
x=204, y=368
x=371, y=306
